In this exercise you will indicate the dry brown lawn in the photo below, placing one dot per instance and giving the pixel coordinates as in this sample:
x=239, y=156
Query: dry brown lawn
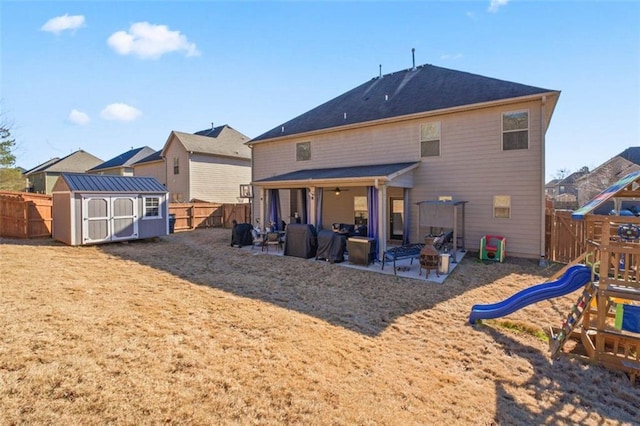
x=187, y=330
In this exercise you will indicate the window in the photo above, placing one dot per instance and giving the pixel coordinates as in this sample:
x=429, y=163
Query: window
x=502, y=206
x=430, y=139
x=360, y=210
x=303, y=151
x=176, y=166
x=152, y=207
x=515, y=130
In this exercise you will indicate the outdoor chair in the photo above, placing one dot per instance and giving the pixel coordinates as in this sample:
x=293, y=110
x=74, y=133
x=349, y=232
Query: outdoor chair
x=272, y=239
x=258, y=239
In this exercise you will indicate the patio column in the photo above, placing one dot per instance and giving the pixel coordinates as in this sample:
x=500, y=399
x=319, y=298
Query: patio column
x=262, y=209
x=382, y=220
x=311, y=212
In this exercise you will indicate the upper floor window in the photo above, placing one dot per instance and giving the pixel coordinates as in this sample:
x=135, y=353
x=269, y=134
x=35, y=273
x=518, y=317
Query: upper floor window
x=176, y=165
x=303, y=151
x=515, y=130
x=151, y=206
x=430, y=139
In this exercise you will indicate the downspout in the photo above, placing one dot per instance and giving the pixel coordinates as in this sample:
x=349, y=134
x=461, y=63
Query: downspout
x=543, y=130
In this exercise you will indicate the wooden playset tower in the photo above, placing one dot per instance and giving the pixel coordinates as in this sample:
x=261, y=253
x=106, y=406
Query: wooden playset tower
x=605, y=321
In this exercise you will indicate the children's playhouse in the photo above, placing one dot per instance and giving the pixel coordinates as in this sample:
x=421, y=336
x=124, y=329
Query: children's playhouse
x=603, y=325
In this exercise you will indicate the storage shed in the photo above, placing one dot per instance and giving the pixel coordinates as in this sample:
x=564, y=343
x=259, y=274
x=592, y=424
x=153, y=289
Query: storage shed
x=93, y=209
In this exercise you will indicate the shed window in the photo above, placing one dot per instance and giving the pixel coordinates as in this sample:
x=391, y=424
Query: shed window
x=176, y=166
x=151, y=206
x=303, y=151
x=515, y=130
x=430, y=139
x=502, y=206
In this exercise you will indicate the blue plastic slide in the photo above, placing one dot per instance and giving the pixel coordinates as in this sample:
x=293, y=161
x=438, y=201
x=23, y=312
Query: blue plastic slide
x=575, y=277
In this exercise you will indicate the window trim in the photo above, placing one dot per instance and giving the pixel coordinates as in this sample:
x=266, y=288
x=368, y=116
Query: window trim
x=503, y=131
x=145, y=208
x=502, y=202
x=298, y=146
x=438, y=124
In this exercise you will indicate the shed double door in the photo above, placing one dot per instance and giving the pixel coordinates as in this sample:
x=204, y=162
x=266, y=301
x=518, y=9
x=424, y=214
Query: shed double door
x=109, y=218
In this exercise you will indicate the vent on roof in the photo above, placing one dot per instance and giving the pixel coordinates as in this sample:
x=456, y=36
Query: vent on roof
x=413, y=56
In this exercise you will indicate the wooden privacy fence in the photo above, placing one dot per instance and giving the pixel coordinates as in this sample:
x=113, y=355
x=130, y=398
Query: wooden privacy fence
x=25, y=215
x=208, y=215
x=567, y=239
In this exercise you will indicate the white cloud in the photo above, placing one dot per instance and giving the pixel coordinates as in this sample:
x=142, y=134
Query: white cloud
x=61, y=23
x=497, y=4
x=150, y=41
x=78, y=117
x=120, y=112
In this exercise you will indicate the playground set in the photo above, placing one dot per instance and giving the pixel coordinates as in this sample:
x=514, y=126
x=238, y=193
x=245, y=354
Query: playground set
x=604, y=322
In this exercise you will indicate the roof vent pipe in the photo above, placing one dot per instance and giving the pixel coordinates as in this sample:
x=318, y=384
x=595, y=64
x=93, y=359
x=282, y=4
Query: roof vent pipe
x=413, y=55
x=380, y=66
x=212, y=125
x=345, y=115
x=282, y=129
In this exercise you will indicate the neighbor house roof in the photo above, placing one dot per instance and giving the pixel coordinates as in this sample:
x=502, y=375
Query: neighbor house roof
x=78, y=161
x=228, y=142
x=631, y=154
x=111, y=183
x=126, y=159
x=417, y=90
x=340, y=174
x=156, y=156
x=42, y=166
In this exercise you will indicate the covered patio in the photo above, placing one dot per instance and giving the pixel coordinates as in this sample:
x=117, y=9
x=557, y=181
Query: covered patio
x=376, y=196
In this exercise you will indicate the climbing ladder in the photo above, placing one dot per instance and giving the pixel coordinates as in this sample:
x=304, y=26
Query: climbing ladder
x=575, y=315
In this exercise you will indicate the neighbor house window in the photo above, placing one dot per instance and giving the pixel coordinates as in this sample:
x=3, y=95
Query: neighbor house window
x=502, y=206
x=176, y=166
x=303, y=151
x=515, y=130
x=430, y=139
x=151, y=206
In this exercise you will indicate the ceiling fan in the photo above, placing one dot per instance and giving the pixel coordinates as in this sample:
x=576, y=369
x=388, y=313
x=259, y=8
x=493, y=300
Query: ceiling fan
x=338, y=190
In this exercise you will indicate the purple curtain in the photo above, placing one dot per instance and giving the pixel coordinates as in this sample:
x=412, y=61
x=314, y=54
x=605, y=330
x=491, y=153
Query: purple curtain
x=274, y=209
x=407, y=210
x=372, y=212
x=318, y=209
x=303, y=205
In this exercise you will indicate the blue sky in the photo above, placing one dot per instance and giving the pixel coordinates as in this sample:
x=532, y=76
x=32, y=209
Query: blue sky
x=105, y=76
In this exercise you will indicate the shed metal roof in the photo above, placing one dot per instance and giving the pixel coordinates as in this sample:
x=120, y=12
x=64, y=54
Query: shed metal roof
x=109, y=183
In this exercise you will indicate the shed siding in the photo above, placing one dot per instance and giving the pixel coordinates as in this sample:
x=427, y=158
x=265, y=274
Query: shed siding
x=472, y=166
x=156, y=169
x=62, y=227
x=217, y=179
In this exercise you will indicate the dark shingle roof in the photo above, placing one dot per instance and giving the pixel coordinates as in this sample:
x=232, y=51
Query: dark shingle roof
x=76, y=162
x=341, y=172
x=631, y=154
x=109, y=183
x=156, y=156
x=126, y=159
x=425, y=88
x=212, y=132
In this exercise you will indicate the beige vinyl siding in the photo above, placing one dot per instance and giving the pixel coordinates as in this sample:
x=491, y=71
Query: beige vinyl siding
x=472, y=166
x=218, y=179
x=177, y=184
x=154, y=169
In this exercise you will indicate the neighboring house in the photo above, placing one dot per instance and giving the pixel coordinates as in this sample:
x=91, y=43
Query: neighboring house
x=207, y=168
x=374, y=152
x=152, y=165
x=43, y=177
x=607, y=173
x=564, y=192
x=122, y=165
